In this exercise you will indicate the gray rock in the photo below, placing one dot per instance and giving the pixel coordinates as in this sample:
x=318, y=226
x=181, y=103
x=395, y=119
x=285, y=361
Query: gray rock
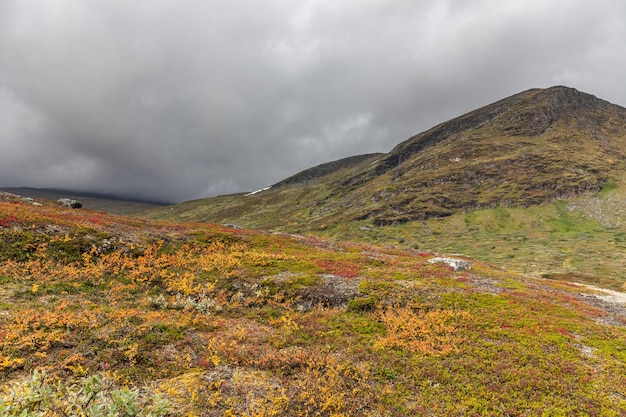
x=68, y=202
x=456, y=264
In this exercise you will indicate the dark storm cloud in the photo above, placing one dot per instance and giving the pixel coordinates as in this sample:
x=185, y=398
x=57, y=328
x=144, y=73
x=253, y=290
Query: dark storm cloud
x=177, y=99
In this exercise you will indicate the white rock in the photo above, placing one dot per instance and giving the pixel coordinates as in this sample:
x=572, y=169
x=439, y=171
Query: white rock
x=456, y=264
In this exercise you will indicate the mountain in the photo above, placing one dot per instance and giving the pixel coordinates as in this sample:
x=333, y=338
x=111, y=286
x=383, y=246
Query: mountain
x=528, y=149
x=534, y=183
x=535, y=147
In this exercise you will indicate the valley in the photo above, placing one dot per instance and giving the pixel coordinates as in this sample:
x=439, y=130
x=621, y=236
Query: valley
x=474, y=270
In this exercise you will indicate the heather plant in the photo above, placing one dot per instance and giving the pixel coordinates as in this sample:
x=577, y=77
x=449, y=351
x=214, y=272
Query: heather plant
x=425, y=332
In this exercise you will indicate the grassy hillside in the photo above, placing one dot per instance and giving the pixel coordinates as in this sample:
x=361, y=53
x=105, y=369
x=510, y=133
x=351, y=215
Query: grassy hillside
x=580, y=239
x=198, y=319
x=533, y=183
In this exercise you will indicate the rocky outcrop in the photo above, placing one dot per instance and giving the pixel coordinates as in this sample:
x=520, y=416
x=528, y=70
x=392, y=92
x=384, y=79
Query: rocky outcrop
x=456, y=264
x=69, y=203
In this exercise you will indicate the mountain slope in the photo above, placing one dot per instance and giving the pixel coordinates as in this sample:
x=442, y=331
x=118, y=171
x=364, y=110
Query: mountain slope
x=183, y=319
x=310, y=175
x=528, y=149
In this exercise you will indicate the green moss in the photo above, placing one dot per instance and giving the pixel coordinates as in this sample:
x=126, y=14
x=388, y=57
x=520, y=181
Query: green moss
x=18, y=245
x=345, y=325
x=607, y=189
x=290, y=285
x=363, y=304
x=511, y=284
x=376, y=287
x=614, y=348
x=162, y=333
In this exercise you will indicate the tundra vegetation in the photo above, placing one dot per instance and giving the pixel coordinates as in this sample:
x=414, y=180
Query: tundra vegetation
x=114, y=315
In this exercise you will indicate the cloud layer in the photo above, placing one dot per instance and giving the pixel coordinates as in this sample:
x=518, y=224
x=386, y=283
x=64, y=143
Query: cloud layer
x=177, y=99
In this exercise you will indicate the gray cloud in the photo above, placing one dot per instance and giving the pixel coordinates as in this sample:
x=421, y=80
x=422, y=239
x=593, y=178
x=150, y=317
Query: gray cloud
x=179, y=99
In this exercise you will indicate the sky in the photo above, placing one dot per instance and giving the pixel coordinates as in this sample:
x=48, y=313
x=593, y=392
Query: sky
x=172, y=100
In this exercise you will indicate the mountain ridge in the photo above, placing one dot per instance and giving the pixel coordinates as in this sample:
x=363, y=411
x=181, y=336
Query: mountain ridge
x=531, y=148
x=560, y=98
x=523, y=123
x=324, y=169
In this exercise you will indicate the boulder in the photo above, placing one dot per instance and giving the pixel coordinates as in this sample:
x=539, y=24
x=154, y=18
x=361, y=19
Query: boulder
x=456, y=264
x=68, y=202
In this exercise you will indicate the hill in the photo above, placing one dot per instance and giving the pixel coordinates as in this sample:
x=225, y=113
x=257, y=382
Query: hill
x=111, y=313
x=557, y=154
x=534, y=147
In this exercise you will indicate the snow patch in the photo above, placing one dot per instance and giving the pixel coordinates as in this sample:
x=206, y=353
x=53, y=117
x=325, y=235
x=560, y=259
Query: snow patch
x=258, y=191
